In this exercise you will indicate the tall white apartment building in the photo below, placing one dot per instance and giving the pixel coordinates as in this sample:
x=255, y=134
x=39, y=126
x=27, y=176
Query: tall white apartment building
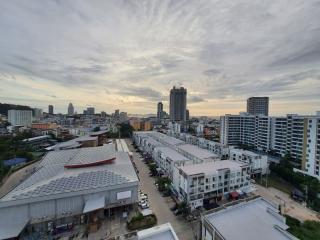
x=311, y=147
x=294, y=134
x=212, y=181
x=246, y=129
x=20, y=117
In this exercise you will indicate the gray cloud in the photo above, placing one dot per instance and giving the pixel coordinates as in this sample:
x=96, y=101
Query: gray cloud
x=195, y=99
x=216, y=49
x=142, y=92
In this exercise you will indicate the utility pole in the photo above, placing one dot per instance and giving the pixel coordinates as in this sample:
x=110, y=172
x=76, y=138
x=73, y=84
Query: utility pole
x=267, y=177
x=119, y=132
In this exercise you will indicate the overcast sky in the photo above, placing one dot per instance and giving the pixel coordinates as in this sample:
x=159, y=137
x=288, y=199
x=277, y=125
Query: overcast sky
x=128, y=54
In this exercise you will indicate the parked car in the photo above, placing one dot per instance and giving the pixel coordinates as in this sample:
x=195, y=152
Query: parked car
x=144, y=205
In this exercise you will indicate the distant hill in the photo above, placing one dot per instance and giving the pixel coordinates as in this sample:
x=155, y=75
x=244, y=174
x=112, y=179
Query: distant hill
x=4, y=107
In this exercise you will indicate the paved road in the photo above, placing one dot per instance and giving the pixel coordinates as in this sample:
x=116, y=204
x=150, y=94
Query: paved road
x=292, y=208
x=160, y=205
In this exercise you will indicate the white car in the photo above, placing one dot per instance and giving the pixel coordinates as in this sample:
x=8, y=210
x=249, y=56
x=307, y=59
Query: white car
x=144, y=205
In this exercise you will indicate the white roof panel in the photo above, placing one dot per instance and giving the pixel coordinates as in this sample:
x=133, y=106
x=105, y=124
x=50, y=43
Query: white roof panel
x=12, y=229
x=94, y=204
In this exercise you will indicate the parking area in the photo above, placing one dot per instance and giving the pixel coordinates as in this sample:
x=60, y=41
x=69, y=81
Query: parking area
x=161, y=205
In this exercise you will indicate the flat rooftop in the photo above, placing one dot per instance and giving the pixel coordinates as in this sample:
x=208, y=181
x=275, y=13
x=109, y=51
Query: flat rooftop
x=212, y=167
x=246, y=152
x=197, y=151
x=255, y=219
x=153, y=141
x=166, y=138
x=172, y=154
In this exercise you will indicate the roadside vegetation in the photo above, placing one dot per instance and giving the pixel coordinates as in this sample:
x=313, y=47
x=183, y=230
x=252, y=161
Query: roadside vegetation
x=125, y=131
x=11, y=147
x=283, y=173
x=141, y=222
x=308, y=230
x=276, y=182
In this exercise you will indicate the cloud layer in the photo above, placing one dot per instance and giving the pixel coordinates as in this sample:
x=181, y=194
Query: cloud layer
x=128, y=54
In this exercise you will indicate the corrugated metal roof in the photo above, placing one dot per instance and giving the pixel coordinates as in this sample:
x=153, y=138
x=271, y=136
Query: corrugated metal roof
x=51, y=177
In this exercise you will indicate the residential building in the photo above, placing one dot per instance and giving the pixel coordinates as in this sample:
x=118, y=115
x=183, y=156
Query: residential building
x=219, y=149
x=178, y=104
x=258, y=105
x=70, y=109
x=201, y=184
x=257, y=162
x=44, y=126
x=136, y=124
x=160, y=111
x=90, y=111
x=246, y=129
x=294, y=134
x=169, y=161
x=37, y=113
x=279, y=135
x=20, y=117
x=50, y=109
x=143, y=125
x=146, y=126
x=187, y=115
x=123, y=116
x=311, y=146
x=250, y=219
x=117, y=113
x=199, y=129
x=67, y=187
x=179, y=161
x=103, y=114
x=289, y=135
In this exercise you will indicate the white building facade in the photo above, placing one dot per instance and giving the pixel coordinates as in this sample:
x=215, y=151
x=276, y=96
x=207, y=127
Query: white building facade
x=257, y=162
x=20, y=117
x=213, y=181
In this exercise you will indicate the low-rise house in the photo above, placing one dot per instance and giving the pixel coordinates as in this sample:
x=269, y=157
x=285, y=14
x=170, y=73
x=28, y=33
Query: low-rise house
x=258, y=162
x=205, y=183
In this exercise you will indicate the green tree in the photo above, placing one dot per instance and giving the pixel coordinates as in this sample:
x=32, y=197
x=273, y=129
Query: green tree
x=96, y=129
x=126, y=130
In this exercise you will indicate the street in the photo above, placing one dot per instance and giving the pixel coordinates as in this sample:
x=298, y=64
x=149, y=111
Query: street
x=158, y=204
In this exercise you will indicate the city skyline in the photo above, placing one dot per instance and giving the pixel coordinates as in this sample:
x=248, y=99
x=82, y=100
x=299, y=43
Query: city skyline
x=124, y=55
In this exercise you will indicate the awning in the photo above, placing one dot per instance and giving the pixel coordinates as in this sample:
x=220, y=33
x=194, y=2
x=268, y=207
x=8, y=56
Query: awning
x=234, y=194
x=94, y=204
x=12, y=229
